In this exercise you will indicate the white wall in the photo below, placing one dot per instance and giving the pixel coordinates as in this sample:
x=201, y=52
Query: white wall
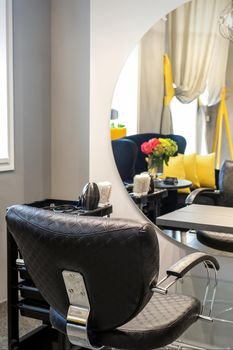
x=51, y=103
x=31, y=178
x=70, y=52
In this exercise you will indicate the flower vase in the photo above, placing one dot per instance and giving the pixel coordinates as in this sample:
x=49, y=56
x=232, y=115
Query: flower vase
x=155, y=168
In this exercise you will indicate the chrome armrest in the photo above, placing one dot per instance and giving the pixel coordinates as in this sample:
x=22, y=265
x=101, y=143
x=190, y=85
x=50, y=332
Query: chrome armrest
x=180, y=268
x=209, y=192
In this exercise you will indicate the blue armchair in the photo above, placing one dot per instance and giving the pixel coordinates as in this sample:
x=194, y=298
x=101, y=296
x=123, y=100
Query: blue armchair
x=125, y=153
x=141, y=164
x=129, y=158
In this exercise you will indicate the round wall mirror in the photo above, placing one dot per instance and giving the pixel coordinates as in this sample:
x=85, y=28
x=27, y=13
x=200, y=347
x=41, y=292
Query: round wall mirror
x=171, y=91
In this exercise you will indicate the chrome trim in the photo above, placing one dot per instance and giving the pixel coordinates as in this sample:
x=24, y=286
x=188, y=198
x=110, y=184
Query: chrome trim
x=164, y=290
x=159, y=290
x=222, y=320
x=182, y=345
x=20, y=262
x=206, y=318
x=79, y=310
x=212, y=299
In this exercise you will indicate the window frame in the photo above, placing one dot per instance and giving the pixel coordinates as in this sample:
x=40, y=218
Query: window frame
x=7, y=164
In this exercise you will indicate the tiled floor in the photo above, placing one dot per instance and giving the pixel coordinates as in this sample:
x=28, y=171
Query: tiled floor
x=3, y=327
x=26, y=324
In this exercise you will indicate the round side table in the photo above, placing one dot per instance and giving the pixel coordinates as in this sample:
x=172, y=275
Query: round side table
x=170, y=202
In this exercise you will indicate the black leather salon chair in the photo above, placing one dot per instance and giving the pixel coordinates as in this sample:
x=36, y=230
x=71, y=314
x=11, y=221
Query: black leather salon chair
x=221, y=197
x=99, y=276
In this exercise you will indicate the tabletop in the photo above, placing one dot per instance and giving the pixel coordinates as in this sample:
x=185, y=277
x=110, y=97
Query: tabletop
x=179, y=184
x=199, y=217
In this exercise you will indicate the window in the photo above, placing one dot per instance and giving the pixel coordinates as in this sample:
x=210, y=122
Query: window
x=126, y=93
x=6, y=87
x=184, y=122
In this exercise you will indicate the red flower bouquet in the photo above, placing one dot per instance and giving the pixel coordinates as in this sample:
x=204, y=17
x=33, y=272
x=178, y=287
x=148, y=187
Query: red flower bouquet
x=158, y=151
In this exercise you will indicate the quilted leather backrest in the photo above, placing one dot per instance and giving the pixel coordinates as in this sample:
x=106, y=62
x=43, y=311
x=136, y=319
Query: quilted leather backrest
x=125, y=153
x=141, y=164
x=226, y=183
x=118, y=259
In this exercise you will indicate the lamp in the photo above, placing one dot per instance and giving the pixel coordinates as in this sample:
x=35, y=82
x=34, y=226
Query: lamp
x=114, y=114
x=226, y=22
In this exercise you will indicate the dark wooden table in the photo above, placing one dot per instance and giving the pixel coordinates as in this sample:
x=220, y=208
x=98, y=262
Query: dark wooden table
x=150, y=203
x=170, y=203
x=175, y=187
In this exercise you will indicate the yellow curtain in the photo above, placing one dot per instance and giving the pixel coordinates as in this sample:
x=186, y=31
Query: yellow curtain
x=222, y=115
x=168, y=80
x=166, y=121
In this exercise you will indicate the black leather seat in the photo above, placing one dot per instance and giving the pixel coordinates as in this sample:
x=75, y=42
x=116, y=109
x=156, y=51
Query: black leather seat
x=117, y=265
x=217, y=240
x=221, y=197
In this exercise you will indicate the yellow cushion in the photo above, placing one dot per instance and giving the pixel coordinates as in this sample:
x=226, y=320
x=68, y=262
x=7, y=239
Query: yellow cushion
x=175, y=168
x=190, y=167
x=206, y=170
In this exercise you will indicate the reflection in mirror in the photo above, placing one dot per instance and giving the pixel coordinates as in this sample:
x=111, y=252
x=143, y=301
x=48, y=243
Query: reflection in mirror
x=176, y=84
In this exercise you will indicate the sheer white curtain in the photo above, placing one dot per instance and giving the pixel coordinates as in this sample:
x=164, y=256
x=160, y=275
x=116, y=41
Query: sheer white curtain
x=151, y=79
x=212, y=110
x=199, y=56
x=197, y=51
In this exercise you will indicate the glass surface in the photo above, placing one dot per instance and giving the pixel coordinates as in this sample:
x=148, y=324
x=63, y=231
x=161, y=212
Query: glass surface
x=126, y=100
x=214, y=335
